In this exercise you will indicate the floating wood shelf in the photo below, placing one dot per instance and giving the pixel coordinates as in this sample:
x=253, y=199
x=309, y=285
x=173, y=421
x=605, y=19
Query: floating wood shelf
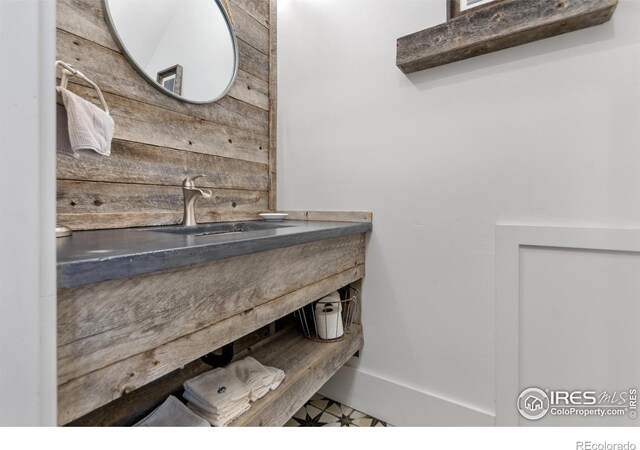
x=307, y=364
x=505, y=24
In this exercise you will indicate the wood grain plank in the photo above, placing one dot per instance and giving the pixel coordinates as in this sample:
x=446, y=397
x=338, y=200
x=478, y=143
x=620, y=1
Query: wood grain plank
x=273, y=106
x=129, y=219
x=251, y=90
x=84, y=18
x=249, y=29
x=145, y=123
x=111, y=382
x=174, y=303
x=331, y=216
x=252, y=61
x=258, y=9
x=246, y=110
x=498, y=26
x=135, y=162
x=307, y=365
x=94, y=199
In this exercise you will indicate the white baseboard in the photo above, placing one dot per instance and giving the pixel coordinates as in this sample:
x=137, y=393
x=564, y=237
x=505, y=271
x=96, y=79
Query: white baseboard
x=398, y=404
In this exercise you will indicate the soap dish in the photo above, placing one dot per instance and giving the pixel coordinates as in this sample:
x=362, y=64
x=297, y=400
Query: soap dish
x=274, y=217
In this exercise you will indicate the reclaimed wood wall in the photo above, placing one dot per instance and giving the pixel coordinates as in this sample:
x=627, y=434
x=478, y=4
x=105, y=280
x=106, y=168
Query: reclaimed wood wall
x=160, y=140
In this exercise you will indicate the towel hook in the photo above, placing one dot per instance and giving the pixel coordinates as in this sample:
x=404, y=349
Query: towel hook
x=69, y=70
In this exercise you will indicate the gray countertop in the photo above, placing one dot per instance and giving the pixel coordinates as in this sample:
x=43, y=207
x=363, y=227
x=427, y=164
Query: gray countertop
x=94, y=256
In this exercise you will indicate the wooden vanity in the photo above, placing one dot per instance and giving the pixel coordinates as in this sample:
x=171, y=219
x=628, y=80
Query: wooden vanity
x=127, y=342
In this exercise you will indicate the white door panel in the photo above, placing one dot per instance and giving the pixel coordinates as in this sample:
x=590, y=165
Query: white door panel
x=568, y=303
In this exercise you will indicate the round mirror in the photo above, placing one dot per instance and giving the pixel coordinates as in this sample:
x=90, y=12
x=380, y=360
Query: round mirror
x=185, y=48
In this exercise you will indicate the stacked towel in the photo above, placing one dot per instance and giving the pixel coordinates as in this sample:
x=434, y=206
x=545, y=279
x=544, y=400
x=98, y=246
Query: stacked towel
x=89, y=127
x=218, y=396
x=258, y=378
x=172, y=413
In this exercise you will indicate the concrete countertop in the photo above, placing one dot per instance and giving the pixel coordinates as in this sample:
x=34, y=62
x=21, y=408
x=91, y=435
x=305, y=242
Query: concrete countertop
x=94, y=256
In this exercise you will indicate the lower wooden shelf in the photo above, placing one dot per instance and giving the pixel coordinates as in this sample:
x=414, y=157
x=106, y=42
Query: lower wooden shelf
x=307, y=365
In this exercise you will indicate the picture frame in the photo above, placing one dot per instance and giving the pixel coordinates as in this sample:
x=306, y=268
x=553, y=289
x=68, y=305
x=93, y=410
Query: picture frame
x=457, y=8
x=171, y=79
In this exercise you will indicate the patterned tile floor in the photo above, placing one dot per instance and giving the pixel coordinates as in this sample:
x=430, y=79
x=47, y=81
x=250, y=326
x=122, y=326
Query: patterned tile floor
x=323, y=412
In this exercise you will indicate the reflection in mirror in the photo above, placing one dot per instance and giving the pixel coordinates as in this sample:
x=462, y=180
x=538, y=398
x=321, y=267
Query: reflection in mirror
x=185, y=48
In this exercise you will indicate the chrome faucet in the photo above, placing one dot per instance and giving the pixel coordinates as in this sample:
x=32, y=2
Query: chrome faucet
x=191, y=194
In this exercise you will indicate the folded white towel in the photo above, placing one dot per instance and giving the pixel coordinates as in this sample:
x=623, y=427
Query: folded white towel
x=250, y=371
x=217, y=389
x=278, y=377
x=219, y=420
x=260, y=379
x=90, y=128
x=228, y=409
x=172, y=413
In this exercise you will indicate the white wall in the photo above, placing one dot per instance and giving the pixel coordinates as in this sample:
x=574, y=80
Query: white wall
x=27, y=214
x=547, y=133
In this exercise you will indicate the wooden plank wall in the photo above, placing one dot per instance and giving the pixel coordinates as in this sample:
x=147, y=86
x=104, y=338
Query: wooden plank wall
x=160, y=140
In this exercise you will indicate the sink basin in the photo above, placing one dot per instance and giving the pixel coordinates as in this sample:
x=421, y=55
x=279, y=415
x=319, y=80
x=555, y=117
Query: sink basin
x=211, y=229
